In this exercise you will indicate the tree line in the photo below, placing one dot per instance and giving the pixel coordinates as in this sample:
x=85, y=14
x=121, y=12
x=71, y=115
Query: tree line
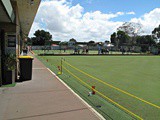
x=129, y=34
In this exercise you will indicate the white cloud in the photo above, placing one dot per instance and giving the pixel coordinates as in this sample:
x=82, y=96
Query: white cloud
x=149, y=20
x=35, y=26
x=65, y=21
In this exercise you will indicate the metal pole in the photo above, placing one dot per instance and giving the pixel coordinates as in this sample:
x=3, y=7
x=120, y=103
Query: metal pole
x=61, y=65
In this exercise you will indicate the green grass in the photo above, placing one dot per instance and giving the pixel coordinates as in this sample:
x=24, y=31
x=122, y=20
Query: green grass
x=9, y=85
x=62, y=52
x=137, y=75
x=72, y=51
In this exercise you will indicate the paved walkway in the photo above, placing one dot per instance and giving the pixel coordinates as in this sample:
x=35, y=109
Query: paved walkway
x=42, y=98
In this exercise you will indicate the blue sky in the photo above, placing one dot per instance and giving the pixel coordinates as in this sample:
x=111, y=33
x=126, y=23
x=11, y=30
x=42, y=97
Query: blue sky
x=139, y=6
x=112, y=6
x=96, y=20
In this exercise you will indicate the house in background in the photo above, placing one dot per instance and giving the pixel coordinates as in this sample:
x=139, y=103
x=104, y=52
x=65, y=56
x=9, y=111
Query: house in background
x=16, y=18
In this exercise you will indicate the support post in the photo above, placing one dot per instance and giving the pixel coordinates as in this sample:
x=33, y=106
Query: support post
x=61, y=64
x=93, y=90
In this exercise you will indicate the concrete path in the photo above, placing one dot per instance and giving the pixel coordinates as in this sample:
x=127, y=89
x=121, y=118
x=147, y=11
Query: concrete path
x=42, y=98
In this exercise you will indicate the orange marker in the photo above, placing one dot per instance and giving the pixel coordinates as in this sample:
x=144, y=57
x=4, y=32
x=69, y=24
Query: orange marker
x=93, y=90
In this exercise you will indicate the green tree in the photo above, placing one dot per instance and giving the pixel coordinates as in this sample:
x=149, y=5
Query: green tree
x=156, y=33
x=123, y=38
x=64, y=44
x=120, y=38
x=29, y=42
x=91, y=42
x=145, y=42
x=113, y=38
x=72, y=40
x=131, y=29
x=35, y=41
x=107, y=41
x=146, y=39
x=41, y=38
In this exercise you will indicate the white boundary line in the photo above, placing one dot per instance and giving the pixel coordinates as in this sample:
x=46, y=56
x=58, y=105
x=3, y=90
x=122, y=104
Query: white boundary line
x=83, y=101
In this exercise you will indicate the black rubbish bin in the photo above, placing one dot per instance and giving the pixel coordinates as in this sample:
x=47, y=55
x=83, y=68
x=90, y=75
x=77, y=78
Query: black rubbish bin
x=25, y=63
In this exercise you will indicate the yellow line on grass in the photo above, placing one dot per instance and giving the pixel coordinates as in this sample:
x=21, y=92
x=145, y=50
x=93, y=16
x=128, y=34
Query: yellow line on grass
x=115, y=103
x=129, y=94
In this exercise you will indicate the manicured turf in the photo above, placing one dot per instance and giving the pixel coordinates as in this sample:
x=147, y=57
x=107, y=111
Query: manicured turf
x=72, y=51
x=136, y=75
x=9, y=85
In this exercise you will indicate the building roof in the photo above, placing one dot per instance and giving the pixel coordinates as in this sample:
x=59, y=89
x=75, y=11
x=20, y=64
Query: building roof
x=27, y=10
x=6, y=11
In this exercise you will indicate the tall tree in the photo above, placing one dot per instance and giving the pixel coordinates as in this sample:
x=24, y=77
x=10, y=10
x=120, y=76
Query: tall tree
x=120, y=38
x=145, y=42
x=113, y=38
x=29, y=41
x=156, y=33
x=41, y=38
x=132, y=29
x=65, y=43
x=91, y=42
x=72, y=40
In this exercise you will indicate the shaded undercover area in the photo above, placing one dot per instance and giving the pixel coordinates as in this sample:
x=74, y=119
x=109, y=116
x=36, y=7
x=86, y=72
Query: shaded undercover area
x=16, y=18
